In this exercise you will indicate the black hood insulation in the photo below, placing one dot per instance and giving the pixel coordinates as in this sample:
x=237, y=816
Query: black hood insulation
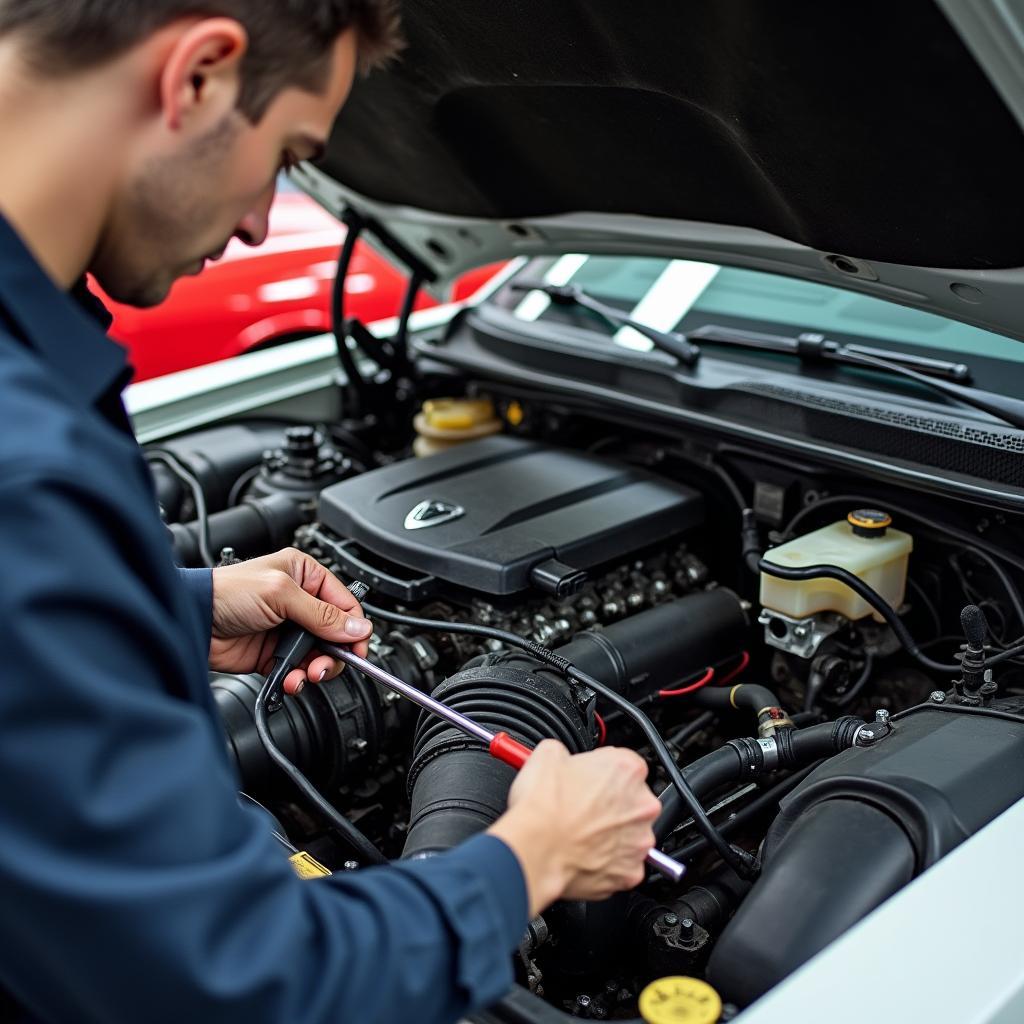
x=864, y=129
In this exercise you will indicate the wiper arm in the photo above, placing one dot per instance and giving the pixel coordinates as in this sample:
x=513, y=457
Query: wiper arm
x=569, y=295
x=929, y=372
x=814, y=346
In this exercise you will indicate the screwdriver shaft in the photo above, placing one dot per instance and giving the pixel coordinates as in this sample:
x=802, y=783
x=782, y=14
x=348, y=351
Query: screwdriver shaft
x=661, y=862
x=435, y=707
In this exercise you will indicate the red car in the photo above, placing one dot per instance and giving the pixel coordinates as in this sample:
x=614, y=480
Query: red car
x=256, y=297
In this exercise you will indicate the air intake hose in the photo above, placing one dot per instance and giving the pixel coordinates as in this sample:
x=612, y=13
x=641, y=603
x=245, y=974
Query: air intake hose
x=457, y=789
x=333, y=732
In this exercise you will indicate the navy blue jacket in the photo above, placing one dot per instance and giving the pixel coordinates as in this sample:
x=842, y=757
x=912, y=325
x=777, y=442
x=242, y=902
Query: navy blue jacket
x=133, y=885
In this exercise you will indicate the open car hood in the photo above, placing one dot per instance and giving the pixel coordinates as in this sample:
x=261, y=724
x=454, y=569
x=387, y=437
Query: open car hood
x=876, y=146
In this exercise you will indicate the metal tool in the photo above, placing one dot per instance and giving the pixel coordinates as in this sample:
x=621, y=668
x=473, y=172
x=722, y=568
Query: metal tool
x=295, y=644
x=499, y=745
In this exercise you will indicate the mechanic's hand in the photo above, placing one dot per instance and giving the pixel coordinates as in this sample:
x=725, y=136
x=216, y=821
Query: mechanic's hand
x=580, y=825
x=252, y=598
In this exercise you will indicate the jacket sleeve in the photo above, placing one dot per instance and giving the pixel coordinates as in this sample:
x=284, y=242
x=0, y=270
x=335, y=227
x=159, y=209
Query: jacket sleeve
x=135, y=886
x=198, y=583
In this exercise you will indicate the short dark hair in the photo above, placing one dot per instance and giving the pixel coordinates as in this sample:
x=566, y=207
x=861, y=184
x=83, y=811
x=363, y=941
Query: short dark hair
x=289, y=40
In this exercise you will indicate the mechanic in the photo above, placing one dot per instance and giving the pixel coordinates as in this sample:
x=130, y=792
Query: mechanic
x=138, y=138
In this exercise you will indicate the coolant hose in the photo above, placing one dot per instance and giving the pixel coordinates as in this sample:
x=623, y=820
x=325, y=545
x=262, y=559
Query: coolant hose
x=759, y=700
x=745, y=759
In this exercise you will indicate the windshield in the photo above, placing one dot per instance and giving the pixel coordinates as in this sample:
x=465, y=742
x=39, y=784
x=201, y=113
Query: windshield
x=683, y=295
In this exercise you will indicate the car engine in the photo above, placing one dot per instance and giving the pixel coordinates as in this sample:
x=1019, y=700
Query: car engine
x=841, y=732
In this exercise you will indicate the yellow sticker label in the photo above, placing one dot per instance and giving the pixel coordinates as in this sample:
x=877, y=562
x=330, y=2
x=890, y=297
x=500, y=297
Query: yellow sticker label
x=307, y=867
x=680, y=1000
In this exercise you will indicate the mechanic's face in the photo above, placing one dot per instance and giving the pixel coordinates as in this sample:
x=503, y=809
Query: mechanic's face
x=208, y=178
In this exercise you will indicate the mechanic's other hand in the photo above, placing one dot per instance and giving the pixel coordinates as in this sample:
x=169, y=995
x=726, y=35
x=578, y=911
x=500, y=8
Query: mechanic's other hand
x=580, y=825
x=252, y=598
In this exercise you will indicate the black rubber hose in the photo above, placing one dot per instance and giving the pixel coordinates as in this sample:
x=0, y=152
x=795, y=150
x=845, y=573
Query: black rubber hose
x=741, y=760
x=1001, y=656
x=768, y=798
x=746, y=696
x=255, y=526
x=713, y=901
x=873, y=598
x=798, y=747
x=202, y=522
x=739, y=860
x=708, y=774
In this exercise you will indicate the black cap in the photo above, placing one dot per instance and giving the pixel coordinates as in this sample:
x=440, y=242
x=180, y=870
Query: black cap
x=869, y=522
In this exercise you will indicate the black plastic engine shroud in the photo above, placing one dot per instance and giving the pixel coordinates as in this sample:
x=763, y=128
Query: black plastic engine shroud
x=507, y=505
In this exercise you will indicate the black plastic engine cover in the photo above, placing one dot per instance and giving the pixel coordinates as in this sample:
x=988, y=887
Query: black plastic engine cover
x=493, y=510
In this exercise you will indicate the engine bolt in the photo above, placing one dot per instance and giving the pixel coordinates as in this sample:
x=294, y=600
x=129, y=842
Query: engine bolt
x=227, y=557
x=882, y=716
x=937, y=697
x=686, y=928
x=670, y=919
x=350, y=865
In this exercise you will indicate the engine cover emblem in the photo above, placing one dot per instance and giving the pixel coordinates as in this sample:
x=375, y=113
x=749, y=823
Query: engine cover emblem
x=432, y=513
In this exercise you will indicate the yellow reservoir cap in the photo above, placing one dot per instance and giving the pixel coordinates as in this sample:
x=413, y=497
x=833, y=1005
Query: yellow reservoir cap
x=445, y=422
x=458, y=413
x=869, y=522
x=680, y=1000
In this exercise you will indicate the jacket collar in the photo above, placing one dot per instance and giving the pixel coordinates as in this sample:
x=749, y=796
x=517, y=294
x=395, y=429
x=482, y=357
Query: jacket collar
x=84, y=360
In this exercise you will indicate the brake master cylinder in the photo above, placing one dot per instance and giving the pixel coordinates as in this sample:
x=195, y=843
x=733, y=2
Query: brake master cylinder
x=798, y=612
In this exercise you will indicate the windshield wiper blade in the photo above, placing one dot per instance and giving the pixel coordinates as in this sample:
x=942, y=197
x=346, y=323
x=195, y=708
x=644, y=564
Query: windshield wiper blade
x=569, y=295
x=814, y=347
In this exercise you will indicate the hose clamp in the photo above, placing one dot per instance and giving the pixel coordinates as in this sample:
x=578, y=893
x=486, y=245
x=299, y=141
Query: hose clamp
x=756, y=756
x=868, y=734
x=770, y=753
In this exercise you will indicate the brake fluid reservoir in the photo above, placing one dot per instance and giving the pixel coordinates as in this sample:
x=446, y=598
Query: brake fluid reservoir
x=864, y=544
x=443, y=423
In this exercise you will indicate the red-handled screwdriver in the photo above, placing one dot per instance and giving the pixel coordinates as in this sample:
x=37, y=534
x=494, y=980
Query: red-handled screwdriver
x=499, y=745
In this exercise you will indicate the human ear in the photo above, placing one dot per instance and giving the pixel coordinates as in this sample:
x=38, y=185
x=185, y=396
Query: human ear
x=201, y=75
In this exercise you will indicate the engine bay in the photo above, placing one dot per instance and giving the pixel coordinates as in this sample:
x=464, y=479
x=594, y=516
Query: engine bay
x=831, y=665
